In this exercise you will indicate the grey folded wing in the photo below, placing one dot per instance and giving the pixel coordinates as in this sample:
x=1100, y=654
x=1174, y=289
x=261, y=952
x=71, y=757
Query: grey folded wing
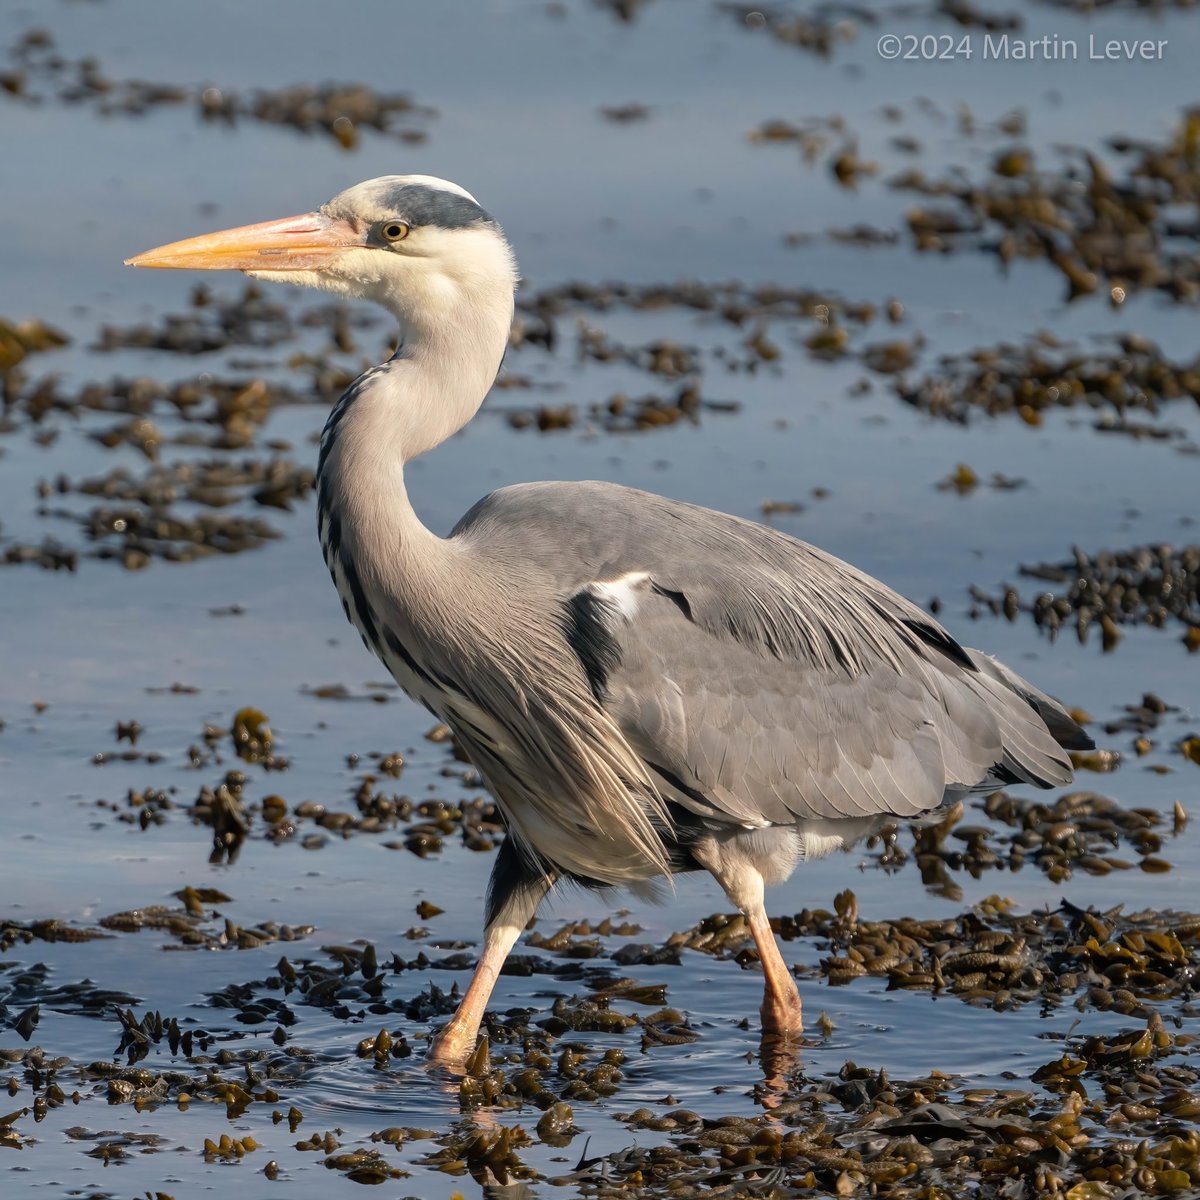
x=791, y=687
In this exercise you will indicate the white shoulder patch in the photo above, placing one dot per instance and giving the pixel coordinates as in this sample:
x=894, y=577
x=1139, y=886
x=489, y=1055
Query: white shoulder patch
x=623, y=593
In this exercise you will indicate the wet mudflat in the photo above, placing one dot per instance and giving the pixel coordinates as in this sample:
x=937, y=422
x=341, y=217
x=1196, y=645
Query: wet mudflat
x=937, y=318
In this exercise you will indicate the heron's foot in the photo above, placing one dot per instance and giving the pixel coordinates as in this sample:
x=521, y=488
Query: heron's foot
x=452, y=1046
x=781, y=1014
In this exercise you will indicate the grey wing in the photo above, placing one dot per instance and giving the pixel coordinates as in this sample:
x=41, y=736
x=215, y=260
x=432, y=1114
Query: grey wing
x=762, y=680
x=774, y=692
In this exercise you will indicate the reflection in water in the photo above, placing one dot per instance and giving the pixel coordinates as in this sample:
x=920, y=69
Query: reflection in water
x=781, y=1058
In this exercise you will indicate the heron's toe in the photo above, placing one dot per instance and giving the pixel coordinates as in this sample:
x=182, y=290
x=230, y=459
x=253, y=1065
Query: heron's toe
x=782, y=1015
x=452, y=1048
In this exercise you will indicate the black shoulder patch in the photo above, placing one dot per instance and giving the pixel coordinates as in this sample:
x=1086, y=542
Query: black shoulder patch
x=587, y=633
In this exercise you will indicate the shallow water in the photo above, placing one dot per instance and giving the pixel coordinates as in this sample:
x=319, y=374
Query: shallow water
x=682, y=195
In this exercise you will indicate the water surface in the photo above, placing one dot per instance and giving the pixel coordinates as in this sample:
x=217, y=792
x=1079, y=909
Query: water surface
x=684, y=194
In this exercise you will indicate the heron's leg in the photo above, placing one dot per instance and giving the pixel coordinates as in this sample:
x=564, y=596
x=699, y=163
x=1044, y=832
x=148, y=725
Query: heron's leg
x=781, y=1013
x=743, y=884
x=514, y=893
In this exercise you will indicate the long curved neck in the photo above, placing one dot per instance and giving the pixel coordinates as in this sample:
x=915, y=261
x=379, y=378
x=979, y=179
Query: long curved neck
x=445, y=364
x=443, y=367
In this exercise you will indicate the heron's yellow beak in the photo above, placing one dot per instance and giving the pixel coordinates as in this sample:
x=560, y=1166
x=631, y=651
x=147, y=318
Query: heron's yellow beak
x=304, y=243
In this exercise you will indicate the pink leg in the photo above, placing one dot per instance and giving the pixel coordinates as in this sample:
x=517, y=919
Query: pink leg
x=454, y=1043
x=513, y=898
x=781, y=1015
x=743, y=884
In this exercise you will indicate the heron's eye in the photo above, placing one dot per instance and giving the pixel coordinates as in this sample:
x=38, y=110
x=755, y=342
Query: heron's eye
x=393, y=231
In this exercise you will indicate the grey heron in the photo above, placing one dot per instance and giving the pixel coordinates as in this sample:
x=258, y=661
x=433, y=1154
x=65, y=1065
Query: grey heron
x=645, y=686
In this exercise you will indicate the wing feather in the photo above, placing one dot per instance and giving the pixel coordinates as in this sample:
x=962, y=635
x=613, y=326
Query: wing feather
x=804, y=733
x=765, y=681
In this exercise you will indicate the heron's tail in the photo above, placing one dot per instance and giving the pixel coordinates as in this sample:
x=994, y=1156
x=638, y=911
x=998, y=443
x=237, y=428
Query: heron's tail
x=1063, y=728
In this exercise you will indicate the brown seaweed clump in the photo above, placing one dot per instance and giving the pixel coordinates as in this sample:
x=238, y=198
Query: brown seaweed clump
x=1102, y=1114
x=861, y=1132
x=1112, y=380
x=1146, y=585
x=817, y=32
x=1104, y=228
x=994, y=957
x=337, y=110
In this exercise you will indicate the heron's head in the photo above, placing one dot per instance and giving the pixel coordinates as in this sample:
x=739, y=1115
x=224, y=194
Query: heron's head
x=415, y=244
